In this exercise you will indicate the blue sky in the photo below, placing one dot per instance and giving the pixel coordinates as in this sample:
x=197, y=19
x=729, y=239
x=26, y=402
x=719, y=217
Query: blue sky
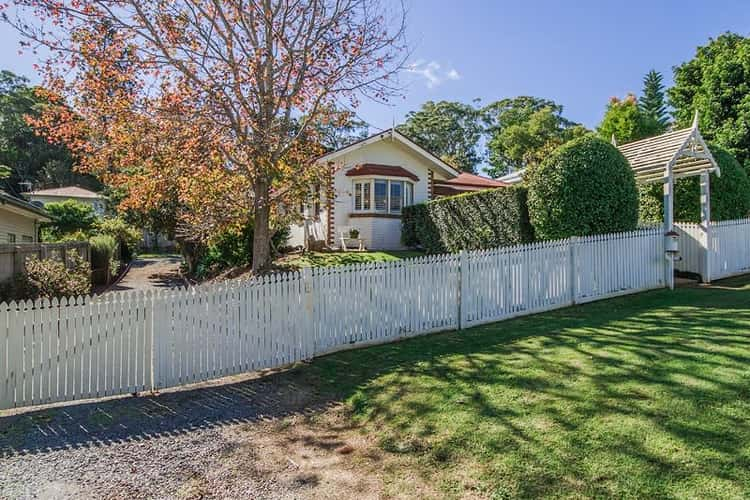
x=576, y=52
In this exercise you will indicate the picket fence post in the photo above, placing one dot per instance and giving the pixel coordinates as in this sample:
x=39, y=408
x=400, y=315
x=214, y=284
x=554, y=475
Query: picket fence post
x=463, y=275
x=309, y=341
x=573, y=272
x=156, y=333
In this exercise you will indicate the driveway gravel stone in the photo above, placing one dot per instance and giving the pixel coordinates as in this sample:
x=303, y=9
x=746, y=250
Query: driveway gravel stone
x=181, y=444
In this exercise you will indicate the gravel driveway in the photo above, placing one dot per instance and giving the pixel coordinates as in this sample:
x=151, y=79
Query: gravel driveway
x=162, y=446
x=151, y=273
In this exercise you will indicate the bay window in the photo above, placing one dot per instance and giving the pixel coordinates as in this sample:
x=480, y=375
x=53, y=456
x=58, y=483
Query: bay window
x=383, y=195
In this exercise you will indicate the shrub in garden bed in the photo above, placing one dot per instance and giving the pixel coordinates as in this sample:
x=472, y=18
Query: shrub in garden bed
x=50, y=278
x=233, y=247
x=584, y=187
x=103, y=248
x=471, y=221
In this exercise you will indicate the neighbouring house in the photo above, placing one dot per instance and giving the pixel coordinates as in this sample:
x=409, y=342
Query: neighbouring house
x=54, y=195
x=369, y=183
x=20, y=220
x=465, y=183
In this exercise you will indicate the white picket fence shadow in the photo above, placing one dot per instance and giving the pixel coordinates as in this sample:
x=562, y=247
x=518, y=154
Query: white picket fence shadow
x=129, y=342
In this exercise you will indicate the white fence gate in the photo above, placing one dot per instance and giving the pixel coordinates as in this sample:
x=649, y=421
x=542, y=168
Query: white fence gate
x=129, y=342
x=718, y=251
x=692, y=257
x=729, y=248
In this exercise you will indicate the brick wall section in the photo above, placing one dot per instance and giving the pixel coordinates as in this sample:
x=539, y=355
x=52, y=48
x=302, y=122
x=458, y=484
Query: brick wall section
x=330, y=193
x=430, y=184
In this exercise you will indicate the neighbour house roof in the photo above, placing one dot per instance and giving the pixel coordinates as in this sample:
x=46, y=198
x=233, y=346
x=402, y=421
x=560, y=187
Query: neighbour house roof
x=375, y=169
x=681, y=153
x=392, y=134
x=472, y=180
x=465, y=182
x=23, y=207
x=66, y=192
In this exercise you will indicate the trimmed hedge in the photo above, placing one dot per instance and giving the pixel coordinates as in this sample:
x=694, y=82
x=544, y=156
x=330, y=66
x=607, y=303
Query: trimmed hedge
x=471, y=221
x=584, y=187
x=730, y=194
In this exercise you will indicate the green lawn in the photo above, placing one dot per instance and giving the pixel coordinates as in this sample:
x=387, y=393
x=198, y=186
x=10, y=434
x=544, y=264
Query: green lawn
x=325, y=259
x=646, y=396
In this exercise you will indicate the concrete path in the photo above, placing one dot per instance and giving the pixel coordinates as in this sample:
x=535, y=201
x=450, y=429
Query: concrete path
x=150, y=274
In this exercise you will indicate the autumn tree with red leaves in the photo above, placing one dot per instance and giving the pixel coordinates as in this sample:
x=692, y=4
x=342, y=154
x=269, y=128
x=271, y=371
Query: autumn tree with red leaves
x=222, y=95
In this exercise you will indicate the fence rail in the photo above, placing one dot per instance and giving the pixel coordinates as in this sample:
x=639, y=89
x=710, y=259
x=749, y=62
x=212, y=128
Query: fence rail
x=128, y=342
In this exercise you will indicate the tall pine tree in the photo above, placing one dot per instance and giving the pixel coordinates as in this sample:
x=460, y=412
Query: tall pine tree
x=652, y=101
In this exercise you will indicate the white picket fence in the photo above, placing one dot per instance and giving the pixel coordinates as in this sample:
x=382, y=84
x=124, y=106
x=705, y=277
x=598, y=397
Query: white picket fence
x=129, y=342
x=718, y=251
x=692, y=248
x=729, y=248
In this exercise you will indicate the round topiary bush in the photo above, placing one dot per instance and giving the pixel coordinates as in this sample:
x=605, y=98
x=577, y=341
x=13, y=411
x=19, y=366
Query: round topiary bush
x=730, y=194
x=584, y=187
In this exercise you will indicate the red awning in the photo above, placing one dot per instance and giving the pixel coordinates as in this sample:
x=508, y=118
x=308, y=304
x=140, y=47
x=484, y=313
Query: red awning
x=375, y=169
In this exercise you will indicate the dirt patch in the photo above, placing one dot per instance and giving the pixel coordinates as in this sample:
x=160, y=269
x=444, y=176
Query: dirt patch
x=326, y=455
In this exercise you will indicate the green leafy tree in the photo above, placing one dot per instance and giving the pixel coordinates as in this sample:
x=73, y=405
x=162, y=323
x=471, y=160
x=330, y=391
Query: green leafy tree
x=653, y=101
x=31, y=158
x=585, y=187
x=716, y=83
x=128, y=237
x=68, y=216
x=626, y=121
x=523, y=130
x=451, y=130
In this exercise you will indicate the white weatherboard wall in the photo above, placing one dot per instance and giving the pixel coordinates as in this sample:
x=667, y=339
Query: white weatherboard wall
x=378, y=233
x=129, y=342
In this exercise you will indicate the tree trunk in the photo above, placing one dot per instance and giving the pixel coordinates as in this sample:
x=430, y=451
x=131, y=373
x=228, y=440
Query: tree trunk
x=261, y=229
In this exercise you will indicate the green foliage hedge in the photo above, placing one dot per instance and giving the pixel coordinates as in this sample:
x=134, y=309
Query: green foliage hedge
x=472, y=221
x=730, y=194
x=584, y=187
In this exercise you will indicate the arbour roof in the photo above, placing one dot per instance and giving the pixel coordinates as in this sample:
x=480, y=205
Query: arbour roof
x=680, y=153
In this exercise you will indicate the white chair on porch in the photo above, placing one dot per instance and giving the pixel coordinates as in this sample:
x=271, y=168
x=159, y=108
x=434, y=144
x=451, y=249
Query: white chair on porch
x=348, y=243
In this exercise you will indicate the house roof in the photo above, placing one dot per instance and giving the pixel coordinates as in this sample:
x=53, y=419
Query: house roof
x=23, y=207
x=464, y=183
x=472, y=180
x=66, y=192
x=376, y=169
x=394, y=135
x=681, y=153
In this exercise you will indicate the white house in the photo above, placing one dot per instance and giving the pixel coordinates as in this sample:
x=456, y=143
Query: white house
x=76, y=193
x=370, y=182
x=19, y=220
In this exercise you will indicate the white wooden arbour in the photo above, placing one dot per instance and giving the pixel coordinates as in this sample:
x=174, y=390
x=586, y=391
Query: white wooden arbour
x=670, y=156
